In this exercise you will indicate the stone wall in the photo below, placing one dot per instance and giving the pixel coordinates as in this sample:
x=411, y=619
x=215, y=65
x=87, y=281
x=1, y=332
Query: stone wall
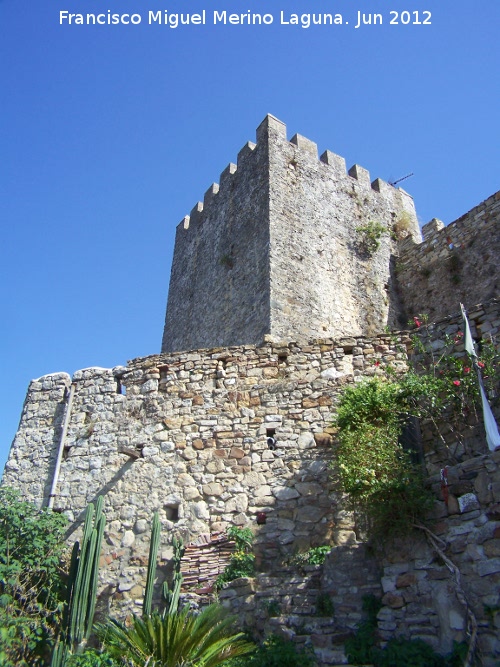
x=462, y=438
x=456, y=263
x=187, y=435
x=420, y=598
x=212, y=437
x=275, y=249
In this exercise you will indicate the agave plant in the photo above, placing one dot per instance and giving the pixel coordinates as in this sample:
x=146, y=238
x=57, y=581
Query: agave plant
x=179, y=639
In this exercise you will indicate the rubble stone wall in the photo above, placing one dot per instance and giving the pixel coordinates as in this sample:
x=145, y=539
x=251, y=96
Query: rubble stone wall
x=453, y=264
x=206, y=438
x=210, y=438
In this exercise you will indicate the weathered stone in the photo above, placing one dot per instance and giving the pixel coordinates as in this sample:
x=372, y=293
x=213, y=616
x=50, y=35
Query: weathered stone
x=405, y=580
x=309, y=514
x=212, y=489
x=128, y=538
x=238, y=503
x=468, y=503
x=306, y=441
x=393, y=601
x=308, y=488
x=141, y=526
x=284, y=493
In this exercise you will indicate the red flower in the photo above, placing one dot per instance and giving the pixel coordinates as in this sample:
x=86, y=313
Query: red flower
x=466, y=369
x=480, y=364
x=418, y=323
x=456, y=383
x=377, y=363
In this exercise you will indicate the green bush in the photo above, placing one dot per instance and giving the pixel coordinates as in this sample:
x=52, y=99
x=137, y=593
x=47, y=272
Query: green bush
x=242, y=563
x=31, y=582
x=370, y=235
x=313, y=556
x=277, y=651
x=386, y=489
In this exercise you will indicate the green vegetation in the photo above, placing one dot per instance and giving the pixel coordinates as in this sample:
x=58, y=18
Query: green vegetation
x=386, y=489
x=82, y=587
x=384, y=484
x=402, y=227
x=175, y=639
x=273, y=608
x=31, y=582
x=153, y=554
x=370, y=235
x=242, y=562
x=313, y=556
x=277, y=652
x=361, y=648
x=324, y=605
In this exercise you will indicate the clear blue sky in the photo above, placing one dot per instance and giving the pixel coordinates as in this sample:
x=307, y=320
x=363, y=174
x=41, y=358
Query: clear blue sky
x=110, y=134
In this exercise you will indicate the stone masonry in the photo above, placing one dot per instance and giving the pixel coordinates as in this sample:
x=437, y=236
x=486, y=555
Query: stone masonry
x=456, y=263
x=187, y=435
x=274, y=249
x=276, y=303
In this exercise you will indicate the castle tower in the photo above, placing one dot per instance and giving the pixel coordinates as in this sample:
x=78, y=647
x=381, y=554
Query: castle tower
x=287, y=245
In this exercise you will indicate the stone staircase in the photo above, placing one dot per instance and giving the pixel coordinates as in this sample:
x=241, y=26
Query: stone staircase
x=317, y=606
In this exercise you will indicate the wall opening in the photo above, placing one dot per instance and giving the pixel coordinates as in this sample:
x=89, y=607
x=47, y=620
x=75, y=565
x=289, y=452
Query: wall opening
x=120, y=388
x=172, y=512
x=271, y=440
x=163, y=377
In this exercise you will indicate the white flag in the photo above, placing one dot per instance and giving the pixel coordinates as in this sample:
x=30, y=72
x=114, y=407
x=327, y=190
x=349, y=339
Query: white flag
x=468, y=342
x=490, y=425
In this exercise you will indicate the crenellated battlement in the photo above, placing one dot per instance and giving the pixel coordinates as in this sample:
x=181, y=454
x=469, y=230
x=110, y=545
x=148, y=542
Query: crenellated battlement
x=268, y=131
x=275, y=248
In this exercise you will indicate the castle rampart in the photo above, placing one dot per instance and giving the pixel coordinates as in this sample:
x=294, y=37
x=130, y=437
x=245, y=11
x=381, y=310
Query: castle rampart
x=456, y=263
x=276, y=249
x=187, y=435
x=282, y=280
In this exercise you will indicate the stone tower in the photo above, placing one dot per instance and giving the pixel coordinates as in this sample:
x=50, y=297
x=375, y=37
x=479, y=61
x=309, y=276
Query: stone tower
x=278, y=248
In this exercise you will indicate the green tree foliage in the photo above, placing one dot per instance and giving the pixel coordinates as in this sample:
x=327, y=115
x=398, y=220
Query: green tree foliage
x=31, y=581
x=372, y=466
x=175, y=639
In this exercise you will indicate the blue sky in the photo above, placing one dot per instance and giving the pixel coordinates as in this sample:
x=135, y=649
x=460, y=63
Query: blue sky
x=110, y=134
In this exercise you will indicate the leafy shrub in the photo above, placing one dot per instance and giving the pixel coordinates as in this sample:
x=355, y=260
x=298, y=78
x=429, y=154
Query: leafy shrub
x=372, y=467
x=242, y=562
x=92, y=658
x=361, y=648
x=313, y=556
x=370, y=235
x=273, y=608
x=277, y=651
x=31, y=546
x=400, y=652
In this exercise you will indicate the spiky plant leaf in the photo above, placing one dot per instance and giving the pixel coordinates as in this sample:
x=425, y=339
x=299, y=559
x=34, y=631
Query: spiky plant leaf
x=181, y=639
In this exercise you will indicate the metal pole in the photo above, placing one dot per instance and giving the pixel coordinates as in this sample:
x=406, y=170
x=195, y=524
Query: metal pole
x=67, y=416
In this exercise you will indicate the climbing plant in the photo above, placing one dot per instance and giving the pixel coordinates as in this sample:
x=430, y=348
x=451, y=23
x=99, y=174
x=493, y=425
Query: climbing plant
x=242, y=563
x=385, y=487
